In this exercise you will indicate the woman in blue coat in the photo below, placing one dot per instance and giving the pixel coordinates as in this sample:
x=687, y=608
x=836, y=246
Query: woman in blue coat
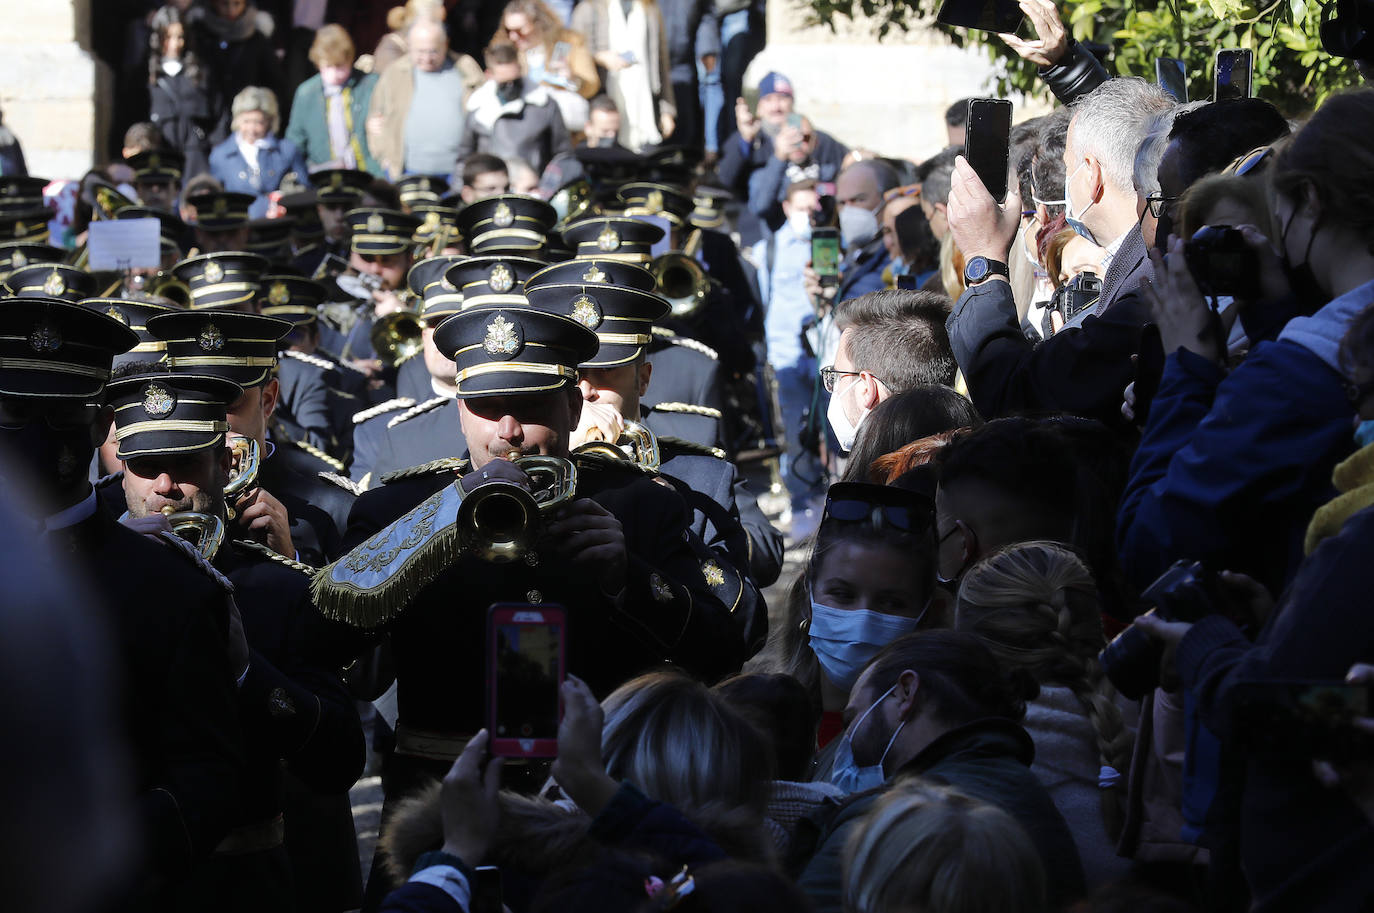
x=252, y=160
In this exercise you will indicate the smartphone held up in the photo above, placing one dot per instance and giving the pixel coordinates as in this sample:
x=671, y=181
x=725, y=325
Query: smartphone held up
x=987, y=143
x=526, y=667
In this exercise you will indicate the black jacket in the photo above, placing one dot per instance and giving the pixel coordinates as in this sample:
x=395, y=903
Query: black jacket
x=989, y=760
x=186, y=114
x=1077, y=74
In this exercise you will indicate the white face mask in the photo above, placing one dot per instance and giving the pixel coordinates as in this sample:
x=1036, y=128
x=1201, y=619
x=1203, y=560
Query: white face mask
x=800, y=221
x=858, y=226
x=845, y=432
x=1076, y=221
x=845, y=771
x=845, y=640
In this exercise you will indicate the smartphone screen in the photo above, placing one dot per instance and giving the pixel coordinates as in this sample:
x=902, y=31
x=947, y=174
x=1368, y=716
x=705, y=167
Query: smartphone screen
x=525, y=671
x=486, y=890
x=987, y=142
x=984, y=15
x=1172, y=76
x=1234, y=76
x=825, y=252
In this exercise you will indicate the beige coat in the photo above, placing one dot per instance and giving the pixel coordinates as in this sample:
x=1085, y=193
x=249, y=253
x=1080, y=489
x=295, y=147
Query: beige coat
x=386, y=121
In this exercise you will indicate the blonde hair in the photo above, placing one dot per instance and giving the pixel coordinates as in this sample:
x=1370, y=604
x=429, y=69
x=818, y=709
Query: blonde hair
x=931, y=848
x=1036, y=606
x=332, y=47
x=400, y=18
x=951, y=267
x=682, y=744
x=257, y=98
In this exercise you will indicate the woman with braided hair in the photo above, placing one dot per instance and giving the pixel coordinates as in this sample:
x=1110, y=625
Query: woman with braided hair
x=1036, y=607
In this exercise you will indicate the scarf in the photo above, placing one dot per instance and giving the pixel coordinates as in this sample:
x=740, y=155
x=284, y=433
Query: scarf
x=630, y=88
x=240, y=29
x=1354, y=478
x=343, y=146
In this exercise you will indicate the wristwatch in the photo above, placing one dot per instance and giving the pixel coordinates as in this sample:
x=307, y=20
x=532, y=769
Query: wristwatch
x=979, y=269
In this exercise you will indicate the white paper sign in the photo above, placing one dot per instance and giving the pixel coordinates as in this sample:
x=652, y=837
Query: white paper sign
x=121, y=244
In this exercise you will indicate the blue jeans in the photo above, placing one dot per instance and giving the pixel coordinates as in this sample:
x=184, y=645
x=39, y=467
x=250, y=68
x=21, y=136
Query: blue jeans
x=712, y=98
x=801, y=471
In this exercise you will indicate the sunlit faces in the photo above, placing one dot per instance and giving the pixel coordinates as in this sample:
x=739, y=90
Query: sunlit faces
x=526, y=423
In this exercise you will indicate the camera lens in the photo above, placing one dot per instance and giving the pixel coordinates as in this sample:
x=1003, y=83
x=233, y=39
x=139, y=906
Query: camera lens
x=1131, y=663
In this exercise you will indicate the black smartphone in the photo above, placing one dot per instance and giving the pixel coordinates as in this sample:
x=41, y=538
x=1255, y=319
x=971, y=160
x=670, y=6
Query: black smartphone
x=1172, y=76
x=526, y=666
x=825, y=254
x=984, y=15
x=907, y=282
x=486, y=890
x=1309, y=719
x=987, y=143
x=1234, y=74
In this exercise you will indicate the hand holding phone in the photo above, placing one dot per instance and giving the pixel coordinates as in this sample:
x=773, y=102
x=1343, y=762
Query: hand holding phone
x=468, y=804
x=579, y=770
x=1051, y=40
x=825, y=254
x=1003, y=16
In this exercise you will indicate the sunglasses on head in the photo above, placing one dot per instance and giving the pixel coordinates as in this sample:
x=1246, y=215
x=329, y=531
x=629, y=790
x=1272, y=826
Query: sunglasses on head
x=881, y=505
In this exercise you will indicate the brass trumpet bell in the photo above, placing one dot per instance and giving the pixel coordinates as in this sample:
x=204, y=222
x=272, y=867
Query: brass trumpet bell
x=682, y=281
x=165, y=285
x=636, y=444
x=247, y=460
x=398, y=336
x=500, y=521
x=205, y=532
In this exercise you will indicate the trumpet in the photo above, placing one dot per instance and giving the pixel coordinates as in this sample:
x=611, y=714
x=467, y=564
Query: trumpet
x=244, y=473
x=499, y=521
x=636, y=444
x=681, y=279
x=204, y=531
x=398, y=336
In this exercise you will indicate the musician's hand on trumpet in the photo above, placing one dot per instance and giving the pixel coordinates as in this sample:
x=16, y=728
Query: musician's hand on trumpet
x=496, y=471
x=266, y=521
x=599, y=422
x=588, y=535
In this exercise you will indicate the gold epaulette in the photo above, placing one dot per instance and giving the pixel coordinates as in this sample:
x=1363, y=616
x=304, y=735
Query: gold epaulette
x=320, y=455
x=347, y=485
x=677, y=443
x=686, y=342
x=418, y=409
x=391, y=405
x=446, y=464
x=686, y=409
x=263, y=551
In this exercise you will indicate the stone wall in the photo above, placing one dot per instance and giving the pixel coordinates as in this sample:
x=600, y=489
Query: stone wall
x=886, y=94
x=53, y=92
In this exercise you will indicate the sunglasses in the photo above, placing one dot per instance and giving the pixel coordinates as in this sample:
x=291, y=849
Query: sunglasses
x=1249, y=161
x=880, y=505
x=908, y=191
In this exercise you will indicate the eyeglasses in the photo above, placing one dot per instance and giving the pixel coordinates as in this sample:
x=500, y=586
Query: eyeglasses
x=909, y=190
x=970, y=549
x=1249, y=162
x=1159, y=204
x=828, y=375
x=881, y=505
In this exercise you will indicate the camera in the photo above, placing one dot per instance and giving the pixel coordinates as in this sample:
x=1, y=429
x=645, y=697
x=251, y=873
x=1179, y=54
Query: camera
x=1186, y=592
x=1222, y=263
x=1077, y=295
x=1346, y=29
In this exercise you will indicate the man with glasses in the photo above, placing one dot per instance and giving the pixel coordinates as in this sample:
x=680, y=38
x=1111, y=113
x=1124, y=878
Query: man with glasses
x=1084, y=368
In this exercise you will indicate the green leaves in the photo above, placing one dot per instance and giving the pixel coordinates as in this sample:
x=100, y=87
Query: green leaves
x=1291, y=70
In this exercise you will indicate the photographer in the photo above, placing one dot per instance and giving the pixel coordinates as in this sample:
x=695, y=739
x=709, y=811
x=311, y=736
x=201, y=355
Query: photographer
x=1229, y=469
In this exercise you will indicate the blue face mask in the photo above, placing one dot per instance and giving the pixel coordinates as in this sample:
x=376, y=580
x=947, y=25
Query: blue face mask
x=1076, y=221
x=1364, y=434
x=845, y=640
x=845, y=772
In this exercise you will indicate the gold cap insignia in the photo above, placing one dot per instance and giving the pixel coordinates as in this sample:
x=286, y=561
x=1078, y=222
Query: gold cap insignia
x=158, y=400
x=54, y=287
x=608, y=240
x=503, y=216
x=662, y=590
x=423, y=184
x=501, y=279
x=446, y=285
x=503, y=338
x=432, y=220
x=213, y=272
x=594, y=275
x=336, y=181
x=154, y=162
x=280, y=294
x=712, y=572
x=586, y=311
x=210, y=339
x=45, y=339
x=376, y=224
x=117, y=314
x=20, y=229
x=19, y=260
x=221, y=207
x=654, y=201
